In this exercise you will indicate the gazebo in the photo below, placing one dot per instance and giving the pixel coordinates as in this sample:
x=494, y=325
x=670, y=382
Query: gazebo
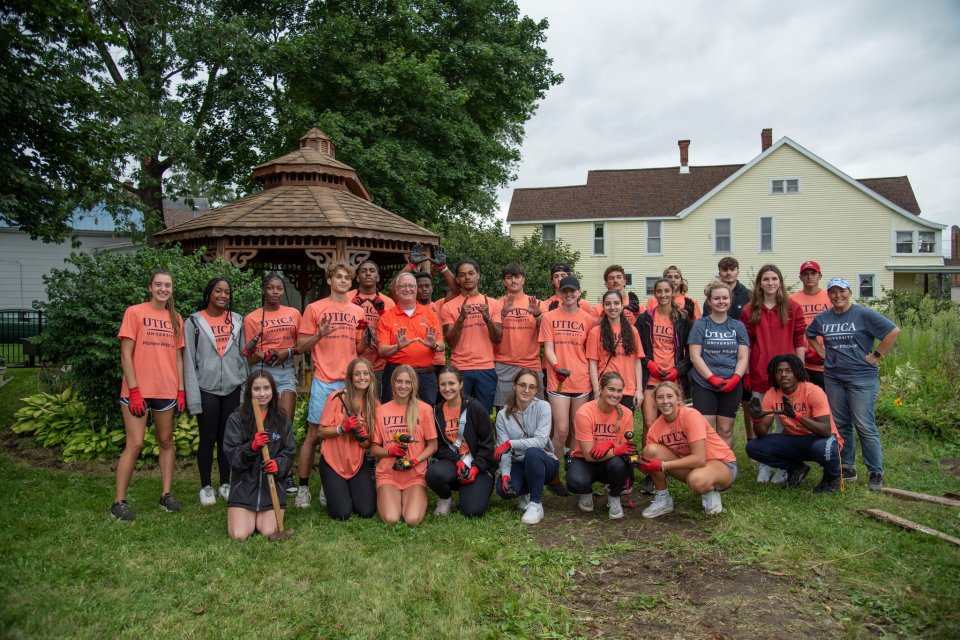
x=313, y=210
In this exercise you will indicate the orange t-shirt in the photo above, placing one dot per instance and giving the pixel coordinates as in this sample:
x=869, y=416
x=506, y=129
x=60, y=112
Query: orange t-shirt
x=808, y=401
x=663, y=344
x=690, y=426
x=416, y=354
x=280, y=328
x=568, y=332
x=519, y=346
x=221, y=329
x=391, y=419
x=343, y=453
x=681, y=300
x=451, y=424
x=592, y=425
x=625, y=365
x=812, y=305
x=154, y=351
x=373, y=319
x=474, y=349
x=440, y=357
x=333, y=352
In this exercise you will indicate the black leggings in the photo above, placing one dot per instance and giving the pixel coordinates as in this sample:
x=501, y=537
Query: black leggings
x=346, y=496
x=474, y=497
x=212, y=423
x=582, y=474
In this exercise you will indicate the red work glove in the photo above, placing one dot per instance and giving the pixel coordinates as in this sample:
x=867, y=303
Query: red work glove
x=671, y=375
x=502, y=449
x=396, y=450
x=360, y=433
x=181, y=401
x=357, y=300
x=379, y=305
x=730, y=384
x=361, y=324
x=260, y=438
x=600, y=449
x=506, y=483
x=404, y=464
x=138, y=406
x=269, y=466
x=625, y=449
x=350, y=424
x=553, y=305
x=468, y=475
x=650, y=465
x=716, y=381
x=654, y=368
x=562, y=374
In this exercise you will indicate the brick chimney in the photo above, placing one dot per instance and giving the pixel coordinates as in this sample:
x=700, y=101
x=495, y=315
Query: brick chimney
x=684, y=155
x=766, y=139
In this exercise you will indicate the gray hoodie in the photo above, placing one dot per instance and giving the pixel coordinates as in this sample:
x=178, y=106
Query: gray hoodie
x=529, y=429
x=203, y=366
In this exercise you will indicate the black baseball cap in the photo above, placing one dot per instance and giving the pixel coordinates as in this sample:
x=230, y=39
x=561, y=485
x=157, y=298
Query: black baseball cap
x=570, y=282
x=561, y=266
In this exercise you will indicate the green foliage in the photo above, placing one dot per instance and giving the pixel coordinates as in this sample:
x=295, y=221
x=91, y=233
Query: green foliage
x=491, y=246
x=86, y=304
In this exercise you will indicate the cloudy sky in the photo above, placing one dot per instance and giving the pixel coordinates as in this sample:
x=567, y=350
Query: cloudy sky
x=871, y=86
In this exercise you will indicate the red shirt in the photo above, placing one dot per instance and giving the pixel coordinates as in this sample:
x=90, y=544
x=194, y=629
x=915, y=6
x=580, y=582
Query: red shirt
x=771, y=338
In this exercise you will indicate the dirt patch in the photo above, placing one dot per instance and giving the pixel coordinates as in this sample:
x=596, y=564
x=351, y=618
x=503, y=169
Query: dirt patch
x=640, y=581
x=951, y=466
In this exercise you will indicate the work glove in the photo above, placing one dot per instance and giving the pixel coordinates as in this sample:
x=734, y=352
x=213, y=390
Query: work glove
x=600, y=449
x=397, y=450
x=466, y=474
x=271, y=357
x=730, y=383
x=357, y=300
x=654, y=369
x=506, y=483
x=360, y=433
x=633, y=305
x=650, y=465
x=756, y=409
x=181, y=401
x=416, y=256
x=625, y=449
x=260, y=438
x=350, y=424
x=671, y=375
x=361, y=325
x=404, y=464
x=269, y=466
x=716, y=381
x=553, y=305
x=788, y=411
x=439, y=258
x=562, y=374
x=138, y=406
x=378, y=304
x=502, y=449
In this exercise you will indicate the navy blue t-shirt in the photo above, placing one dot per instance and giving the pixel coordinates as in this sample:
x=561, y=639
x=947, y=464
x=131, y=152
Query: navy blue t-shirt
x=719, y=345
x=848, y=338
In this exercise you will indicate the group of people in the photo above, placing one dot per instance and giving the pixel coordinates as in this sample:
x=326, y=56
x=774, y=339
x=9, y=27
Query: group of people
x=392, y=417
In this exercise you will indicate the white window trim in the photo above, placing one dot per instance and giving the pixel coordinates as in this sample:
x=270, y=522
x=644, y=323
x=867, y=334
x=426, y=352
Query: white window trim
x=773, y=235
x=646, y=238
x=593, y=238
x=654, y=277
x=544, y=226
x=785, y=192
x=633, y=281
x=915, y=243
x=872, y=275
x=731, y=250
x=936, y=243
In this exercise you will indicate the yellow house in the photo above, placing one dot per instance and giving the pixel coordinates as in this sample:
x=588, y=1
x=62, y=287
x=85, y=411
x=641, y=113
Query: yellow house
x=784, y=207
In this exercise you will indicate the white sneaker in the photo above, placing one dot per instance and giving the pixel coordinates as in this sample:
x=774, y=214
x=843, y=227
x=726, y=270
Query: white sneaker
x=779, y=477
x=322, y=498
x=207, y=496
x=614, y=508
x=523, y=502
x=662, y=504
x=443, y=507
x=765, y=473
x=711, y=502
x=533, y=513
x=585, y=502
x=225, y=491
x=303, y=498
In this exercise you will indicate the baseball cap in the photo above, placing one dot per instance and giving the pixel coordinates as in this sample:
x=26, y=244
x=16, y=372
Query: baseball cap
x=810, y=264
x=838, y=282
x=560, y=266
x=569, y=282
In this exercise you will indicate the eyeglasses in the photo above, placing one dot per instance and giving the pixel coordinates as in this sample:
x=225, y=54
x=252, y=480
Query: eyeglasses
x=406, y=286
x=527, y=387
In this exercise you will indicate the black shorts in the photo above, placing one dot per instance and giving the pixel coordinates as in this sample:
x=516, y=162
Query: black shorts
x=154, y=404
x=711, y=402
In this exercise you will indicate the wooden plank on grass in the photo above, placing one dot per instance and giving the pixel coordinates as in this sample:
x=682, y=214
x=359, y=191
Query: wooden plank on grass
x=952, y=496
x=908, y=524
x=912, y=495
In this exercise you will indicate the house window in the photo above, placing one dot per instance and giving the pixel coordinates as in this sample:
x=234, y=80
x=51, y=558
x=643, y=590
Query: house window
x=865, y=281
x=904, y=241
x=928, y=241
x=766, y=235
x=651, y=282
x=628, y=279
x=722, y=241
x=549, y=233
x=785, y=185
x=599, y=244
x=654, y=239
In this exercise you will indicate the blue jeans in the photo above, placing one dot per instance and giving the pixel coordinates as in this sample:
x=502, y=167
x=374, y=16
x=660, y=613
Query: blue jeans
x=784, y=451
x=530, y=474
x=319, y=392
x=854, y=404
x=482, y=385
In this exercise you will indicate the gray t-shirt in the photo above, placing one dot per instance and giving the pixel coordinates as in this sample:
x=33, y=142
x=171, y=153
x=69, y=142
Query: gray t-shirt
x=848, y=337
x=719, y=343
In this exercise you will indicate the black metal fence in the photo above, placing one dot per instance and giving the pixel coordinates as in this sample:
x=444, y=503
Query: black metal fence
x=17, y=326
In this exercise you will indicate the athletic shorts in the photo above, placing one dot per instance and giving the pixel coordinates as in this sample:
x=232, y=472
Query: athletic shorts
x=319, y=390
x=573, y=394
x=733, y=471
x=283, y=375
x=711, y=402
x=505, y=375
x=154, y=404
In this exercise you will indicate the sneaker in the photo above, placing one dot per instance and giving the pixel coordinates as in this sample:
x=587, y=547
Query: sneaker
x=876, y=481
x=796, y=477
x=443, y=507
x=322, y=498
x=225, y=491
x=122, y=511
x=849, y=473
x=647, y=487
x=711, y=501
x=291, y=488
x=780, y=477
x=207, y=496
x=523, y=502
x=614, y=508
x=662, y=504
x=558, y=489
x=828, y=485
x=765, y=473
x=169, y=503
x=585, y=502
x=533, y=514
x=303, y=498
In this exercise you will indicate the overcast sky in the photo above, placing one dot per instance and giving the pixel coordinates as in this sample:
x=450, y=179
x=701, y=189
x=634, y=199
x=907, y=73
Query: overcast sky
x=870, y=86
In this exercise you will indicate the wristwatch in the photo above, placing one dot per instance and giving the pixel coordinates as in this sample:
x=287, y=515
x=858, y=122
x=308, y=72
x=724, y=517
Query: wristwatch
x=877, y=355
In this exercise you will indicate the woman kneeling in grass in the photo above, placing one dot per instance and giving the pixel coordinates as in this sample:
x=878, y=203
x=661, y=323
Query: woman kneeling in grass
x=249, y=507
x=684, y=444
